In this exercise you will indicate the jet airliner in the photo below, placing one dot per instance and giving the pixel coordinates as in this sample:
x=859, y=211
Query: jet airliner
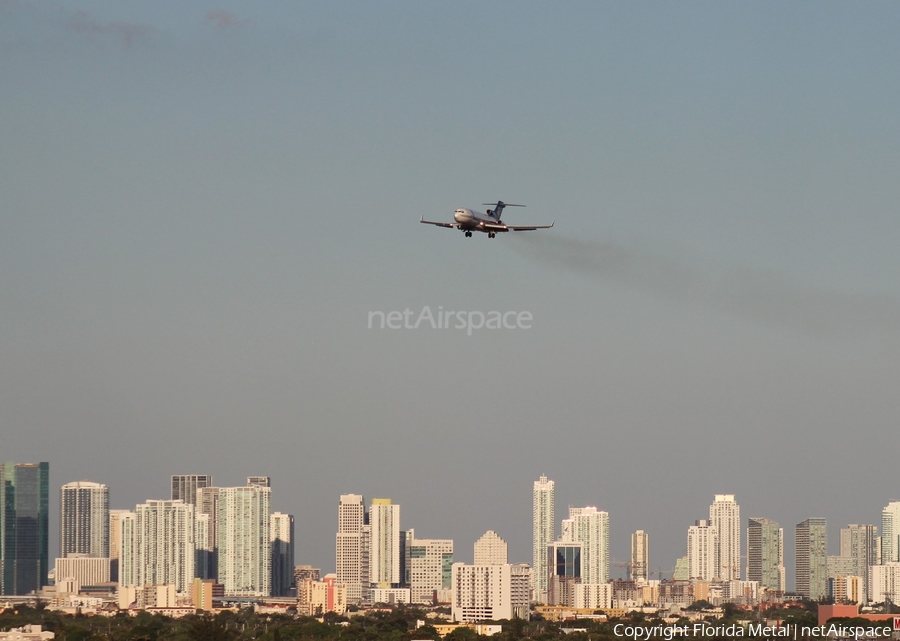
x=468, y=221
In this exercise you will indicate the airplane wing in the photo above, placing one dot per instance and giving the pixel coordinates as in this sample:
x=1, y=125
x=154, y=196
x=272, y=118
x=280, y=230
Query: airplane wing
x=529, y=227
x=431, y=222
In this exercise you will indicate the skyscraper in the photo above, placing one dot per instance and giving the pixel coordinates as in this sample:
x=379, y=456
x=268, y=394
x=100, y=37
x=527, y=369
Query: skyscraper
x=811, y=556
x=858, y=543
x=281, y=533
x=890, y=533
x=244, y=544
x=765, y=553
x=590, y=527
x=115, y=530
x=543, y=533
x=262, y=481
x=640, y=556
x=156, y=545
x=24, y=554
x=84, y=519
x=490, y=549
x=703, y=551
x=385, y=552
x=725, y=516
x=207, y=504
x=430, y=568
x=348, y=545
x=185, y=486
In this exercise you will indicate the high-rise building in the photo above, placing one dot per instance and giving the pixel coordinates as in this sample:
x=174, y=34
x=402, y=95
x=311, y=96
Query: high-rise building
x=348, y=545
x=206, y=512
x=858, y=542
x=156, y=545
x=725, y=516
x=385, y=552
x=24, y=512
x=127, y=549
x=765, y=553
x=243, y=541
x=281, y=533
x=490, y=549
x=430, y=568
x=261, y=481
x=682, y=570
x=490, y=592
x=84, y=519
x=890, y=533
x=203, y=547
x=884, y=583
x=185, y=486
x=115, y=530
x=811, y=558
x=640, y=556
x=365, y=565
x=590, y=527
x=543, y=534
x=703, y=551
x=565, y=569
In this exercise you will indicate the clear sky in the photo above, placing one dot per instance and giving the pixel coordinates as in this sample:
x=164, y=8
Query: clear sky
x=200, y=204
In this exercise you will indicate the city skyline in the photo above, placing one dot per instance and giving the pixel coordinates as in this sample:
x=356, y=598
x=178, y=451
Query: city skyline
x=200, y=212
x=855, y=542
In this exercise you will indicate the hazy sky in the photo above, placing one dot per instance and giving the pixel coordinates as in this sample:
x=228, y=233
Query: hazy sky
x=200, y=204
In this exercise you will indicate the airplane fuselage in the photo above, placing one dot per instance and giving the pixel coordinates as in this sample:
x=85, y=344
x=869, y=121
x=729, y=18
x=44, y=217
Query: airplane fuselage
x=469, y=220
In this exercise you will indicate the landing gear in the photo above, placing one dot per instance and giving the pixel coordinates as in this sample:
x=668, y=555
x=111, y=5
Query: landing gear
x=491, y=234
x=468, y=234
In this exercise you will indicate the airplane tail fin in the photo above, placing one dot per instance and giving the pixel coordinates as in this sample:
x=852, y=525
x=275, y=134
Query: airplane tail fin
x=498, y=208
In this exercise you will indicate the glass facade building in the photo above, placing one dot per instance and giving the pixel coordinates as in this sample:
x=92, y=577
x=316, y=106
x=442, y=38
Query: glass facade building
x=24, y=536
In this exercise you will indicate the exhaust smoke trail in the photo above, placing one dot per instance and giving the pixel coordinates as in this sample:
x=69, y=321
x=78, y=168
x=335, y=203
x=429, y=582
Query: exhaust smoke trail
x=757, y=294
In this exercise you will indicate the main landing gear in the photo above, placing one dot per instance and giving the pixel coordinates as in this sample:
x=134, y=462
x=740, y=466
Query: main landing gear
x=491, y=234
x=468, y=234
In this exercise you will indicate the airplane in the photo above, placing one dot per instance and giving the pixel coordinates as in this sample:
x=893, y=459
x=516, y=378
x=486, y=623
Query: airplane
x=468, y=221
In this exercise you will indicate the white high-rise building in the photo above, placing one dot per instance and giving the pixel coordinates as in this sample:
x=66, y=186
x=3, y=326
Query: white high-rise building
x=348, y=546
x=884, y=583
x=126, y=550
x=114, y=544
x=858, y=542
x=156, y=545
x=385, y=552
x=244, y=549
x=429, y=566
x=543, y=533
x=640, y=556
x=725, y=516
x=185, y=486
x=281, y=534
x=490, y=592
x=703, y=551
x=890, y=533
x=590, y=527
x=84, y=519
x=490, y=549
